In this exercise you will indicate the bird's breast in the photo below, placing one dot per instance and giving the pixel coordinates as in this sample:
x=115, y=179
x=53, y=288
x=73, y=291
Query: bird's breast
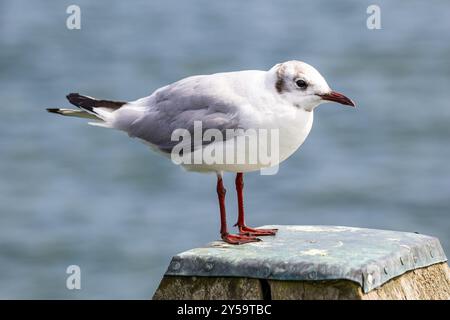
x=269, y=140
x=293, y=132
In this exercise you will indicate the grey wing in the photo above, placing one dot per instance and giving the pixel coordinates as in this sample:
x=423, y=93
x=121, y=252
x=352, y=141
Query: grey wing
x=180, y=106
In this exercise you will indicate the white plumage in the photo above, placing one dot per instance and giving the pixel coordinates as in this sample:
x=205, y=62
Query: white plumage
x=279, y=102
x=232, y=100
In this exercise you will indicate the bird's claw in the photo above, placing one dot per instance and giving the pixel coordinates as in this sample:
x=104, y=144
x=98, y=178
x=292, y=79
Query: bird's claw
x=238, y=238
x=247, y=231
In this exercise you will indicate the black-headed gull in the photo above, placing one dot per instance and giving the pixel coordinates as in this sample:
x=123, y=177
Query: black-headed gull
x=281, y=99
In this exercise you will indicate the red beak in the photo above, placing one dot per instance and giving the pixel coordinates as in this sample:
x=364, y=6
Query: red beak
x=337, y=97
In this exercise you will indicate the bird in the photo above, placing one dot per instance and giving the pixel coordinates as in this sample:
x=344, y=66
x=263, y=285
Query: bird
x=282, y=98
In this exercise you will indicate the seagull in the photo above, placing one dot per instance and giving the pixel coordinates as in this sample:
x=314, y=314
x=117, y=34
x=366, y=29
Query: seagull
x=282, y=99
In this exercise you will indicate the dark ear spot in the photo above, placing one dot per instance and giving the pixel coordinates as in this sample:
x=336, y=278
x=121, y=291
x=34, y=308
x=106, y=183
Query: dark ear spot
x=279, y=84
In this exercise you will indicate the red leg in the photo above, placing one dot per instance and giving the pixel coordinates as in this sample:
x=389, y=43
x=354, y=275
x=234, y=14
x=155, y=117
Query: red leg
x=243, y=229
x=229, y=238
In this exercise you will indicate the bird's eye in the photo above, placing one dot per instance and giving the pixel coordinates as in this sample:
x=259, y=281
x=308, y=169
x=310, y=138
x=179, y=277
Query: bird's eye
x=301, y=84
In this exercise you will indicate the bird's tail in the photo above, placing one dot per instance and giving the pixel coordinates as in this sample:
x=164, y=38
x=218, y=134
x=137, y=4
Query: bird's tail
x=90, y=108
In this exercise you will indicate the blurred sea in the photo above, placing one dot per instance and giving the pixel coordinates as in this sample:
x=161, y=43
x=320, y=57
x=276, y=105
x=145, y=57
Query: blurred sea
x=76, y=194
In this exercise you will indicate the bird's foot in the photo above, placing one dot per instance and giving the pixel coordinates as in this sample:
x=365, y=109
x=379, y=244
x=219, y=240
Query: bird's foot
x=238, y=238
x=247, y=231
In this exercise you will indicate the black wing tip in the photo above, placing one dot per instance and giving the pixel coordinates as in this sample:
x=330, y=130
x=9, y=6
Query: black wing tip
x=53, y=110
x=72, y=95
x=89, y=103
x=81, y=101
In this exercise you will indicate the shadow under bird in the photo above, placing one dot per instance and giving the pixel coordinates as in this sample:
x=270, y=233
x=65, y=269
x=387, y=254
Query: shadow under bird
x=282, y=98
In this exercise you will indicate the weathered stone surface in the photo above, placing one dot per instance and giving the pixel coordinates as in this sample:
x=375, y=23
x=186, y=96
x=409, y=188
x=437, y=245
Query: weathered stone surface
x=314, y=290
x=313, y=262
x=204, y=288
x=432, y=282
x=368, y=257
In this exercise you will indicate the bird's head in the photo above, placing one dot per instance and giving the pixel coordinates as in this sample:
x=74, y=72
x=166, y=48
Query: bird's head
x=303, y=86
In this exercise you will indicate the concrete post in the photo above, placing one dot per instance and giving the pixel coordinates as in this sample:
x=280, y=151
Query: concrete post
x=313, y=262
